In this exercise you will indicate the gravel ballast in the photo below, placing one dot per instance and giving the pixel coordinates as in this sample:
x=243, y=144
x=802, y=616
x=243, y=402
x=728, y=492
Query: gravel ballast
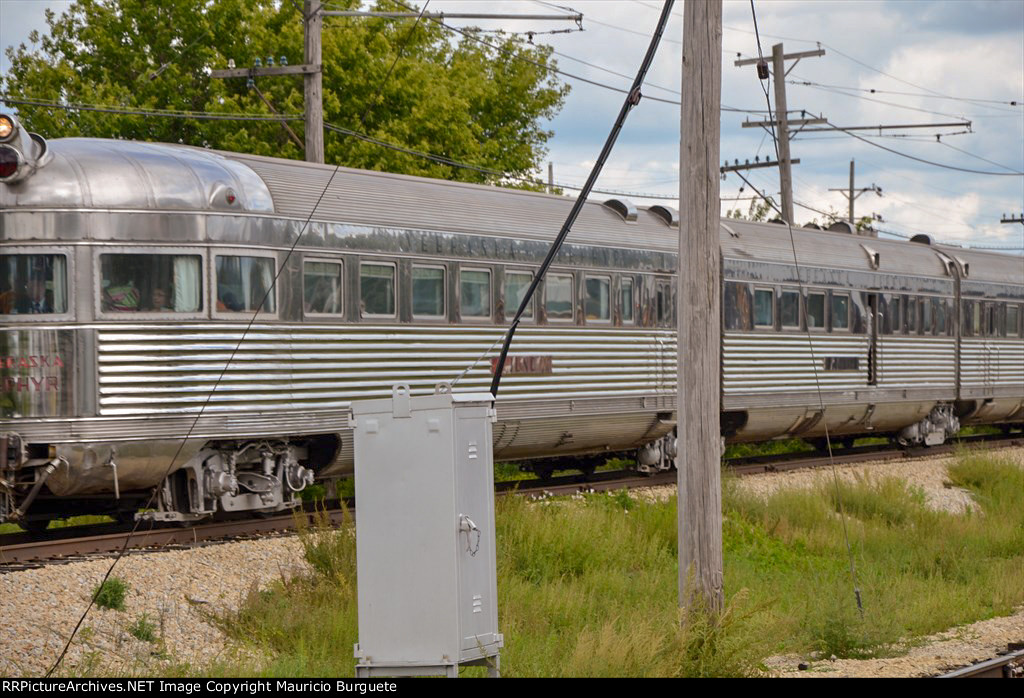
x=176, y=590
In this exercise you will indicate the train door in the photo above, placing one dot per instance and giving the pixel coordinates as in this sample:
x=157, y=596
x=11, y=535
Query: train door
x=874, y=318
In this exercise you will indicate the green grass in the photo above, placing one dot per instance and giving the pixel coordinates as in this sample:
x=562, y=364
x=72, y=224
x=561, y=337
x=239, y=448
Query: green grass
x=111, y=594
x=767, y=448
x=920, y=571
x=60, y=523
x=143, y=629
x=587, y=587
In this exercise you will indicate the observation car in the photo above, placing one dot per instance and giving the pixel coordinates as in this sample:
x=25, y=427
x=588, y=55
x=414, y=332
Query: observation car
x=130, y=358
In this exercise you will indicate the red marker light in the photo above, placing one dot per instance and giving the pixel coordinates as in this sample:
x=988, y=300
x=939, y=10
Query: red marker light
x=231, y=196
x=9, y=161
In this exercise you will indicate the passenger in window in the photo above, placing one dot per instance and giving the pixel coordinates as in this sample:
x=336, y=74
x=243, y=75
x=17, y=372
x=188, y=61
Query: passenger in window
x=227, y=301
x=323, y=298
x=121, y=297
x=159, y=300
x=34, y=300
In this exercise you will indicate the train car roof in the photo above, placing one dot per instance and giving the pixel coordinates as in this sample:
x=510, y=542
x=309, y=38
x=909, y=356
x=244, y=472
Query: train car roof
x=403, y=201
x=111, y=174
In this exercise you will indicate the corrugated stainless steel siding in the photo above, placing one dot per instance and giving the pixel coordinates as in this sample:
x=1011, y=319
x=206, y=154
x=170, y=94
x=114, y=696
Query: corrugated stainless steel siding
x=911, y=362
x=154, y=371
x=992, y=363
x=769, y=362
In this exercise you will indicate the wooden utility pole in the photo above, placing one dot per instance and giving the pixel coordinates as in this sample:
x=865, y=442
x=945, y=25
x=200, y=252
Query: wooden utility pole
x=698, y=296
x=852, y=193
x=782, y=121
x=314, y=92
x=785, y=170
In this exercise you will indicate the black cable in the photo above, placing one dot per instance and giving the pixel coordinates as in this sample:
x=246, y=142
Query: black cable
x=504, y=49
x=332, y=127
x=166, y=113
x=927, y=162
x=810, y=343
x=398, y=55
x=873, y=90
x=631, y=101
x=209, y=397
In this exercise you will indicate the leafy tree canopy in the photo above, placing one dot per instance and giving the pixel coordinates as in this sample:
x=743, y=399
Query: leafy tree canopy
x=446, y=95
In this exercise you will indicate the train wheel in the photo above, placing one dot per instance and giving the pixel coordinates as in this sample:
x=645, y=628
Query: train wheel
x=35, y=525
x=543, y=472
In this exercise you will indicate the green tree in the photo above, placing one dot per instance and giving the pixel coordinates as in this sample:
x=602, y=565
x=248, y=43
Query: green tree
x=759, y=210
x=446, y=95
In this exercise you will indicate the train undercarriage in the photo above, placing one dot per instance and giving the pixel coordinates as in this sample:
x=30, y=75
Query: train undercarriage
x=225, y=478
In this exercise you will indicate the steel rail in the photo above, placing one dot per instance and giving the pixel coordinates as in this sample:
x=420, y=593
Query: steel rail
x=1007, y=666
x=23, y=550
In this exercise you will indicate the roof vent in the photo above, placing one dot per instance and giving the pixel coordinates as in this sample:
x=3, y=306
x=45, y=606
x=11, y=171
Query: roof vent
x=922, y=239
x=874, y=259
x=813, y=226
x=843, y=227
x=667, y=214
x=965, y=267
x=623, y=207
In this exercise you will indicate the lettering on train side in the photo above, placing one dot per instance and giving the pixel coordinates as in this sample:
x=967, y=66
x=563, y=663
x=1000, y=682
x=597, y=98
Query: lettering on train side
x=841, y=363
x=29, y=383
x=525, y=366
x=32, y=361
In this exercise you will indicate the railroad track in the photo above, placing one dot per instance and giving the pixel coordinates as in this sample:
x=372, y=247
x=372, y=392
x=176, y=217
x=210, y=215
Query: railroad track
x=1006, y=666
x=23, y=550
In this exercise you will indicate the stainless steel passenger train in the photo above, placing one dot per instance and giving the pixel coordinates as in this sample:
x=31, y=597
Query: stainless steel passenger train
x=130, y=273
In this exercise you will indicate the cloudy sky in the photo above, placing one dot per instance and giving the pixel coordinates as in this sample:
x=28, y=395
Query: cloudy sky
x=926, y=62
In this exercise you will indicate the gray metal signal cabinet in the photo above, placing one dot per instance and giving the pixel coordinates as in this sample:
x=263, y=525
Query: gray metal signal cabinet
x=427, y=578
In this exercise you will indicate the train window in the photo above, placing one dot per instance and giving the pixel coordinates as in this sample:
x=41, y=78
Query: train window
x=626, y=296
x=939, y=315
x=764, y=307
x=1013, y=321
x=665, y=303
x=789, y=309
x=976, y=309
x=910, y=313
x=927, y=317
x=34, y=284
x=517, y=283
x=598, y=306
x=815, y=310
x=558, y=303
x=475, y=293
x=991, y=320
x=428, y=298
x=321, y=287
x=737, y=303
x=245, y=284
x=159, y=283
x=376, y=290
x=840, y=311
x=890, y=323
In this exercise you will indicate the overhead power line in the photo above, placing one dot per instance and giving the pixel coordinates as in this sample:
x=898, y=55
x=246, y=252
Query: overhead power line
x=472, y=36
x=332, y=127
x=166, y=113
x=927, y=162
x=873, y=90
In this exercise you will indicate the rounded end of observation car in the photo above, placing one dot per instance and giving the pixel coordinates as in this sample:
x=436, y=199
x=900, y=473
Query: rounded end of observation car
x=111, y=174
